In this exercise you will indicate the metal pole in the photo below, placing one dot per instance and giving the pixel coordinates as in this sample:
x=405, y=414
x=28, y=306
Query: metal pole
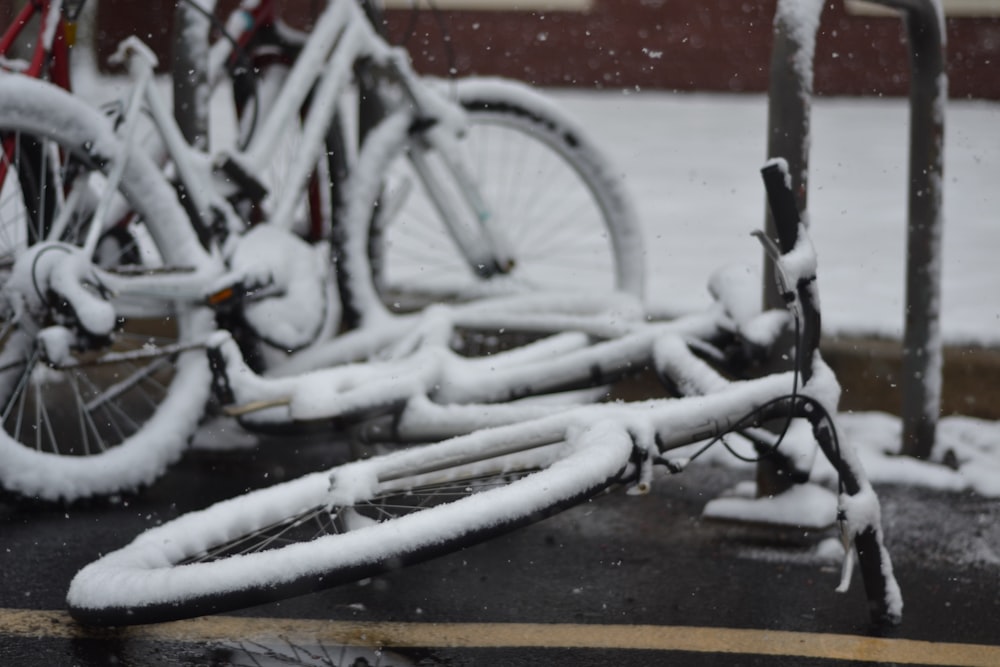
x=788, y=137
x=789, y=105
x=922, y=347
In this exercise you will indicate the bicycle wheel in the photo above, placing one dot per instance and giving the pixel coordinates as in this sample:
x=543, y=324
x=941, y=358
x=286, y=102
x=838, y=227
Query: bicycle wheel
x=553, y=194
x=345, y=524
x=92, y=422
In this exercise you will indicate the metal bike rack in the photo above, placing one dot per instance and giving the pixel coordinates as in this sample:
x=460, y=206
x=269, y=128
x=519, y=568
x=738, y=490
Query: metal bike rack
x=788, y=131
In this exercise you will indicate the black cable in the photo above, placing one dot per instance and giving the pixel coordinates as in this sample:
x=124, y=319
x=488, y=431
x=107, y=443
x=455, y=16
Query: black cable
x=823, y=416
x=793, y=397
x=750, y=416
x=796, y=373
x=34, y=273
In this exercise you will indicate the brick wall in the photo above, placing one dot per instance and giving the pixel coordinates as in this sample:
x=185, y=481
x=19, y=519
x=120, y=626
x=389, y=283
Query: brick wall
x=716, y=45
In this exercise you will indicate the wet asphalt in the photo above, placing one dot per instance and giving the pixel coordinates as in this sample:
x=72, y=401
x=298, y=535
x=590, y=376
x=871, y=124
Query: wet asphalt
x=617, y=560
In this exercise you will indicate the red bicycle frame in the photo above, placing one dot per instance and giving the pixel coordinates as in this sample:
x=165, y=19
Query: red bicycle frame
x=50, y=56
x=56, y=34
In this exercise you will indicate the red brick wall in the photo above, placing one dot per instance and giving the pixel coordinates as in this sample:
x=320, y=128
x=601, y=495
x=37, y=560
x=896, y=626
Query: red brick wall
x=717, y=45
x=723, y=45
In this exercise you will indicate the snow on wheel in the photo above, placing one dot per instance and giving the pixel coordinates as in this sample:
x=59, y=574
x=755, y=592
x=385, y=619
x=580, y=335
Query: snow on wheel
x=345, y=524
x=85, y=415
x=551, y=194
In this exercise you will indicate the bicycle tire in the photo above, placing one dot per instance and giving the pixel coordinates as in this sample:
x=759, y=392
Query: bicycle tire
x=158, y=576
x=544, y=160
x=70, y=433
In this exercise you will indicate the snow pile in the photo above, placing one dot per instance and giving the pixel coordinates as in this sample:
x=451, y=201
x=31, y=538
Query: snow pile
x=805, y=505
x=966, y=456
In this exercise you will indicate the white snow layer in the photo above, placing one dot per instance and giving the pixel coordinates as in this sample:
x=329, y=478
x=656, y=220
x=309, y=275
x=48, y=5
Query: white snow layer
x=691, y=162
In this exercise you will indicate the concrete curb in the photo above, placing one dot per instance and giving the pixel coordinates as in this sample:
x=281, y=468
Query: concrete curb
x=869, y=373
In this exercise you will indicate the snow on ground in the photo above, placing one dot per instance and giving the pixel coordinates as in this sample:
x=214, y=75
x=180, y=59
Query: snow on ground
x=691, y=162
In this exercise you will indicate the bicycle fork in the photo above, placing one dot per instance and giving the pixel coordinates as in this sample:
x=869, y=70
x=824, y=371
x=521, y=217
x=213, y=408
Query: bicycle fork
x=448, y=179
x=461, y=206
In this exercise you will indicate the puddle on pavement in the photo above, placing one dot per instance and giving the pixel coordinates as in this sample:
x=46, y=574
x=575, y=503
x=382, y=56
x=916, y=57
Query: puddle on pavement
x=256, y=654
x=235, y=654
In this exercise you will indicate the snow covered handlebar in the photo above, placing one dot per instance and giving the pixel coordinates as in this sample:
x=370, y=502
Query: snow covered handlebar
x=794, y=257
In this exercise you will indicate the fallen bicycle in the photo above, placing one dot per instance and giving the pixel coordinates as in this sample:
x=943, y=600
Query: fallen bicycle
x=512, y=463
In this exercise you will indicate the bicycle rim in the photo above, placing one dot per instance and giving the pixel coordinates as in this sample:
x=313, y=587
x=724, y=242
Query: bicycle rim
x=567, y=223
x=300, y=536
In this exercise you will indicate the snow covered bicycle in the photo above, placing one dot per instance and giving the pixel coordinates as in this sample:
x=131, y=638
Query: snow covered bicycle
x=522, y=199
x=115, y=275
x=365, y=517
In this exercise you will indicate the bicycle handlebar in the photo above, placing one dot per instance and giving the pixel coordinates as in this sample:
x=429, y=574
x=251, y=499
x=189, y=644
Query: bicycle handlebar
x=777, y=183
x=796, y=264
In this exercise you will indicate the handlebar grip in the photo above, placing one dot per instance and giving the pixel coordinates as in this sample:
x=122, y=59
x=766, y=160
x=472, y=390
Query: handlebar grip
x=787, y=220
x=781, y=199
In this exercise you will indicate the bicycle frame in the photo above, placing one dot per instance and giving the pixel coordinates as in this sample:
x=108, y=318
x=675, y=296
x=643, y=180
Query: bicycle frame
x=417, y=360
x=625, y=439
x=342, y=37
x=50, y=56
x=56, y=20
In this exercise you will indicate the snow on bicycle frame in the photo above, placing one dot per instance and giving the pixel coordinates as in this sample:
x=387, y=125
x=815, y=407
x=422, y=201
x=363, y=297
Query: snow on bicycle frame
x=343, y=36
x=166, y=237
x=575, y=451
x=405, y=367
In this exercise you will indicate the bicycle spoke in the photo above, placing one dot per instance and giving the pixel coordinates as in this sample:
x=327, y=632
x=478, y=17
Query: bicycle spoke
x=557, y=215
x=133, y=380
x=44, y=420
x=38, y=418
x=85, y=424
x=110, y=409
x=321, y=520
x=22, y=382
x=21, y=408
x=266, y=536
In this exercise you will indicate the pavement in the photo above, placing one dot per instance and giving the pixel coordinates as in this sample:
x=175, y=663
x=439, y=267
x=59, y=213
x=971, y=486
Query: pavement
x=619, y=580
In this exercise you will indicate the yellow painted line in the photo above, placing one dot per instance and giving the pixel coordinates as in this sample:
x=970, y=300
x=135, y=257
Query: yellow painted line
x=57, y=624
